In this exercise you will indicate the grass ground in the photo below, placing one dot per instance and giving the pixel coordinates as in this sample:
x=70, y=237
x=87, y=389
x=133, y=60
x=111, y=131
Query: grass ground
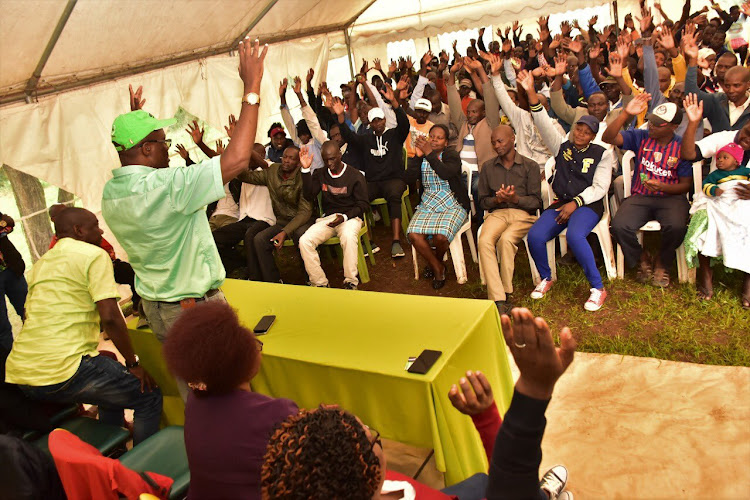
x=637, y=320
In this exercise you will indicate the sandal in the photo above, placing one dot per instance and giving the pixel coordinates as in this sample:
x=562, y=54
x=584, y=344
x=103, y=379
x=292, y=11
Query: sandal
x=438, y=283
x=661, y=278
x=746, y=303
x=644, y=273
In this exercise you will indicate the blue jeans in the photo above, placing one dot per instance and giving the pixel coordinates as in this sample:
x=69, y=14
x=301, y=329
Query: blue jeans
x=579, y=226
x=104, y=382
x=15, y=288
x=473, y=488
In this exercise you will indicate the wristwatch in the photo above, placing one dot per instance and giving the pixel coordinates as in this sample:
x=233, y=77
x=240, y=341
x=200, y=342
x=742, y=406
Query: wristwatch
x=133, y=365
x=251, y=98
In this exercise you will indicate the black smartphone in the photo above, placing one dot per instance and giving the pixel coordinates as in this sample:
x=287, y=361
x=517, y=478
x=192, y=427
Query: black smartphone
x=424, y=362
x=264, y=324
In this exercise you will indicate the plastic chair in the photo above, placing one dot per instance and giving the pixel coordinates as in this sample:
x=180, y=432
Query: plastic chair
x=104, y=437
x=363, y=241
x=601, y=230
x=163, y=453
x=683, y=273
x=456, y=251
x=466, y=169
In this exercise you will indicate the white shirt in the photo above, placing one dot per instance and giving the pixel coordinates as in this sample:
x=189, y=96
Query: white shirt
x=227, y=205
x=711, y=145
x=255, y=202
x=736, y=111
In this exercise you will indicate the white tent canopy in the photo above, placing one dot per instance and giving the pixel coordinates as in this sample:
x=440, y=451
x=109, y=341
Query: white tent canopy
x=57, y=128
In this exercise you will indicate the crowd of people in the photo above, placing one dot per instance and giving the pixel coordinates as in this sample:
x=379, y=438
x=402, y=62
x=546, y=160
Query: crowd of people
x=525, y=139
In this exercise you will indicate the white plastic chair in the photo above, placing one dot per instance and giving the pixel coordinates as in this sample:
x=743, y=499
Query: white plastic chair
x=601, y=230
x=469, y=171
x=683, y=273
x=456, y=251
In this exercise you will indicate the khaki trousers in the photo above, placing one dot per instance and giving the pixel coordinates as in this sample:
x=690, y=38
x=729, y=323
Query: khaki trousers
x=502, y=229
x=348, y=234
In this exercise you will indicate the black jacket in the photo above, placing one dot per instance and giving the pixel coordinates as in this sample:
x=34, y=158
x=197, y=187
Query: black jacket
x=449, y=169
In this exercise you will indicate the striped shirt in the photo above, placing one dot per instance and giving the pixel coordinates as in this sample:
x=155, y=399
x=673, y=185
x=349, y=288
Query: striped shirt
x=655, y=161
x=468, y=153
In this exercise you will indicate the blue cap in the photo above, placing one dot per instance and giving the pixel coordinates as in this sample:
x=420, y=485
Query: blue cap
x=592, y=122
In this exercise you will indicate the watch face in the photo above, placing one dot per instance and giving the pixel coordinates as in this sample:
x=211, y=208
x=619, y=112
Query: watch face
x=252, y=98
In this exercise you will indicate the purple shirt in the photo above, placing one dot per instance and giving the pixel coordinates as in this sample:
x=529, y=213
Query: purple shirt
x=226, y=437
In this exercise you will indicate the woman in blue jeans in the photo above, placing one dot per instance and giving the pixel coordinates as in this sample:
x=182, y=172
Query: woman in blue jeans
x=580, y=182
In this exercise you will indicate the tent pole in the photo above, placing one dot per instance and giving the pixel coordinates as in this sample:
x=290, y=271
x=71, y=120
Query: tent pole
x=349, y=52
x=37, y=74
x=254, y=23
x=616, y=18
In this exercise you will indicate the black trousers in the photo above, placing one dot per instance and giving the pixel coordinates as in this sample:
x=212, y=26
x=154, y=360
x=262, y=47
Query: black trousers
x=125, y=275
x=672, y=213
x=391, y=190
x=260, y=251
x=227, y=237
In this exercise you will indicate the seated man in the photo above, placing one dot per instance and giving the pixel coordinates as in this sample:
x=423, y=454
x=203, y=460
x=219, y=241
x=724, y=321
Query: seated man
x=291, y=210
x=55, y=358
x=344, y=199
x=124, y=273
x=510, y=190
x=660, y=181
x=382, y=160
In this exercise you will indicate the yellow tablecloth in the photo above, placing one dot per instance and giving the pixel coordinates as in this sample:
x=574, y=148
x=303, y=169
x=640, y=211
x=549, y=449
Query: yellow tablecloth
x=350, y=347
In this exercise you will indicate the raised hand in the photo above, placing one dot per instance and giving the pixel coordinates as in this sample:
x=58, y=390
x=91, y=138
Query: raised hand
x=409, y=63
x=615, y=65
x=540, y=363
x=593, y=20
x=387, y=92
x=604, y=35
x=472, y=395
x=457, y=66
x=496, y=63
x=665, y=38
x=305, y=157
x=297, y=85
x=481, y=32
x=230, y=128
x=595, y=51
x=196, y=133
x=638, y=105
x=378, y=67
x=182, y=151
x=392, y=67
x=515, y=26
x=689, y=42
x=543, y=22
x=136, y=101
x=426, y=59
x=252, y=58
x=365, y=67
x=337, y=107
x=507, y=46
x=623, y=47
x=565, y=28
x=645, y=20
x=310, y=75
x=526, y=79
x=283, y=85
x=220, y=147
x=507, y=31
x=561, y=64
x=573, y=45
x=693, y=108
x=403, y=83
x=556, y=41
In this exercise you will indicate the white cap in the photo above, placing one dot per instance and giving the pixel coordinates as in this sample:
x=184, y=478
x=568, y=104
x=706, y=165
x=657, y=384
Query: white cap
x=423, y=104
x=706, y=52
x=375, y=113
x=667, y=113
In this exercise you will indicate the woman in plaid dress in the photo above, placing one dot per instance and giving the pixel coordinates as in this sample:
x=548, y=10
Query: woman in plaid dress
x=445, y=202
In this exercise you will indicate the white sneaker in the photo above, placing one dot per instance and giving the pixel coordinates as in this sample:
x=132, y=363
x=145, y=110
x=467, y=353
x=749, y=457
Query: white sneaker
x=565, y=495
x=542, y=288
x=554, y=481
x=596, y=300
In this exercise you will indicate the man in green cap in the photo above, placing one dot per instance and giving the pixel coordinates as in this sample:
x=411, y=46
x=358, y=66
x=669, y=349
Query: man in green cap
x=157, y=213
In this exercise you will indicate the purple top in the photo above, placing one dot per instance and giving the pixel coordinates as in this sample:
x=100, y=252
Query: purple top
x=226, y=437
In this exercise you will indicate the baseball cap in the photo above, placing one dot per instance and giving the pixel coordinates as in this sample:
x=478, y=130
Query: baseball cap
x=608, y=80
x=591, y=122
x=665, y=113
x=131, y=128
x=423, y=104
x=465, y=82
x=375, y=113
x=276, y=130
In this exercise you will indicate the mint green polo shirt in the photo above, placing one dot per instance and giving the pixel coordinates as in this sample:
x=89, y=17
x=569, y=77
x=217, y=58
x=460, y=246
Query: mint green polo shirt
x=159, y=218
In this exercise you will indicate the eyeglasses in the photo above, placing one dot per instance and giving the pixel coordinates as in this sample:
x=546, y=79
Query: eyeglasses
x=260, y=344
x=168, y=142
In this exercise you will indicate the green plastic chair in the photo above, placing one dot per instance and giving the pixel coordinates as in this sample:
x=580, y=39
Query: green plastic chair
x=63, y=414
x=364, y=242
x=406, y=211
x=163, y=453
x=104, y=437
x=148, y=348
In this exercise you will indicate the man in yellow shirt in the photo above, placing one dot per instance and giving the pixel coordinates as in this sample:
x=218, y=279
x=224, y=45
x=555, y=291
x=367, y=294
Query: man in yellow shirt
x=55, y=358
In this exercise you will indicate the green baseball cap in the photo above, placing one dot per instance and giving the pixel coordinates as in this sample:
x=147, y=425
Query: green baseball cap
x=131, y=128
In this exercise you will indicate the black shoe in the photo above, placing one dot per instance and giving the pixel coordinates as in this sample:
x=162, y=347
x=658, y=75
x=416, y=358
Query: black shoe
x=503, y=307
x=349, y=286
x=567, y=260
x=438, y=284
x=428, y=273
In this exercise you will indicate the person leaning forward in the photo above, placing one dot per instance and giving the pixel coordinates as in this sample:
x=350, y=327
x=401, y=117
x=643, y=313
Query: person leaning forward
x=510, y=192
x=157, y=213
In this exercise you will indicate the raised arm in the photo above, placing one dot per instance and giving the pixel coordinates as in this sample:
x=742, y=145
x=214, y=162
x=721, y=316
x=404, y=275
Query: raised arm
x=514, y=112
x=638, y=105
x=694, y=110
x=550, y=134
